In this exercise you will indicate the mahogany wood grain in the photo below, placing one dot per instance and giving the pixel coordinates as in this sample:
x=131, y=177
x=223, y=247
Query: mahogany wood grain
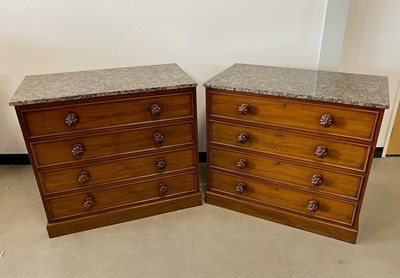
x=281, y=196
x=50, y=120
x=72, y=205
x=279, y=170
x=130, y=141
x=66, y=179
x=123, y=214
x=301, y=221
x=350, y=122
x=286, y=143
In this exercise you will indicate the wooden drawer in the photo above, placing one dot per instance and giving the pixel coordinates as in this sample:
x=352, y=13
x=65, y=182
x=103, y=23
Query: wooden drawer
x=342, y=212
x=113, y=143
x=52, y=120
x=347, y=155
x=96, y=201
x=310, y=178
x=91, y=175
x=350, y=122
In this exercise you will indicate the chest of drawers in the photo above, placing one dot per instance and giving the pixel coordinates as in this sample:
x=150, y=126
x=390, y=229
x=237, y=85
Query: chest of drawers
x=293, y=146
x=111, y=145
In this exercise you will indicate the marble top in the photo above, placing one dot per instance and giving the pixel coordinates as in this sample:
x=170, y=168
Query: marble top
x=56, y=87
x=336, y=87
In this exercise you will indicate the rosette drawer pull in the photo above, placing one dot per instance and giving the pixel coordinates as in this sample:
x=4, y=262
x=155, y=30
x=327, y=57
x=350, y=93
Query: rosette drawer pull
x=321, y=151
x=326, y=120
x=244, y=108
x=77, y=149
x=155, y=109
x=71, y=120
x=313, y=206
x=241, y=187
x=243, y=137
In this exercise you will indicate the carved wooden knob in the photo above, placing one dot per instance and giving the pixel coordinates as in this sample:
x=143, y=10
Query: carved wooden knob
x=241, y=163
x=161, y=164
x=155, y=109
x=77, y=149
x=162, y=188
x=244, y=108
x=317, y=180
x=326, y=120
x=89, y=203
x=321, y=151
x=71, y=120
x=241, y=187
x=313, y=206
x=158, y=137
x=243, y=137
x=83, y=177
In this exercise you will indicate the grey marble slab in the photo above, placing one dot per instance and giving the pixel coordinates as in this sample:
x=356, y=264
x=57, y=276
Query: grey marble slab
x=56, y=87
x=335, y=87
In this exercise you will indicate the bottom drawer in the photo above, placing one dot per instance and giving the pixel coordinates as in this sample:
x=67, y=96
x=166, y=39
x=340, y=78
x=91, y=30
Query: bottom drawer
x=90, y=202
x=314, y=206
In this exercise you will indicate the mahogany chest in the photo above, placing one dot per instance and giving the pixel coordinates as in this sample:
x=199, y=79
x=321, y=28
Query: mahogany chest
x=293, y=146
x=111, y=145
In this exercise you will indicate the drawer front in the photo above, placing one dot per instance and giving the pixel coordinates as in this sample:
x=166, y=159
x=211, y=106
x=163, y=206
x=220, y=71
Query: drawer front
x=294, y=174
x=355, y=123
x=107, y=144
x=54, y=120
x=87, y=176
x=81, y=204
x=347, y=155
x=279, y=196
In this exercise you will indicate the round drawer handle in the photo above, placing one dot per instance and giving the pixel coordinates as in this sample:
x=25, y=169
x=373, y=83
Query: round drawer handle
x=158, y=137
x=89, y=203
x=155, y=109
x=83, y=177
x=241, y=187
x=326, y=120
x=241, y=163
x=317, y=180
x=321, y=151
x=243, y=137
x=71, y=120
x=244, y=108
x=313, y=206
x=161, y=163
x=163, y=188
x=77, y=149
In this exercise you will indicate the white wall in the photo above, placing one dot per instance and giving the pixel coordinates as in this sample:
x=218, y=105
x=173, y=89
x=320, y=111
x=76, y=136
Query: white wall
x=371, y=45
x=203, y=37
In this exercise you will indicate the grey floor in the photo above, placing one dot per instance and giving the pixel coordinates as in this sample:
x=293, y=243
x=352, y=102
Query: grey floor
x=205, y=241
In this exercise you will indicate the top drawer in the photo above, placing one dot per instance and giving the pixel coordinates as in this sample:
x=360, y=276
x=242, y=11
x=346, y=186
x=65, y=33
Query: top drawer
x=78, y=117
x=322, y=118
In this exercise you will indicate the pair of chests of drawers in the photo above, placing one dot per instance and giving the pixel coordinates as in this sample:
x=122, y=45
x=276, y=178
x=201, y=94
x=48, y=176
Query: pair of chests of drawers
x=104, y=153
x=305, y=157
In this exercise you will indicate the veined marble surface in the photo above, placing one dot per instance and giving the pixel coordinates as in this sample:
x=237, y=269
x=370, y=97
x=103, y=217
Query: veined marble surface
x=55, y=87
x=336, y=87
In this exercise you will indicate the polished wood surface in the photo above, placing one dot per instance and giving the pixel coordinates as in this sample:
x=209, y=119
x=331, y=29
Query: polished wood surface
x=283, y=112
x=100, y=174
x=292, y=173
x=283, y=197
x=112, y=143
x=111, y=159
x=298, y=162
x=288, y=144
x=72, y=205
x=105, y=114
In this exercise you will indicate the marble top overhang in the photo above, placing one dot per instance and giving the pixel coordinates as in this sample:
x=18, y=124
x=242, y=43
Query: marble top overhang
x=336, y=87
x=56, y=87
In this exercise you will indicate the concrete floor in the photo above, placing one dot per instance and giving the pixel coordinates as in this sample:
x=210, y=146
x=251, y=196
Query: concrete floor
x=205, y=241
